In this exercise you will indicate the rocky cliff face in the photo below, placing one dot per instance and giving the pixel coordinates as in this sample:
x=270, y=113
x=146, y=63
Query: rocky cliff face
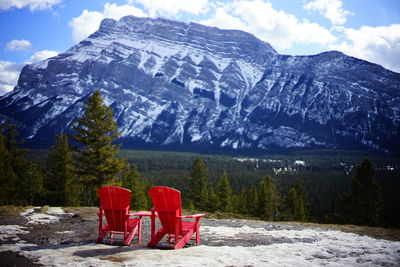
x=179, y=85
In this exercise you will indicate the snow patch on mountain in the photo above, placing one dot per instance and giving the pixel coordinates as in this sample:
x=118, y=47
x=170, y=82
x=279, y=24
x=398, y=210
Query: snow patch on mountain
x=172, y=83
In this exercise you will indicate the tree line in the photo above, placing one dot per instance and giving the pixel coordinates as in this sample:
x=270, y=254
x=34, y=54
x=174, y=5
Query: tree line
x=80, y=163
x=263, y=201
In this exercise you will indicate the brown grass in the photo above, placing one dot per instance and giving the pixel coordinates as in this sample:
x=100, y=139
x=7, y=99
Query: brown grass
x=82, y=211
x=44, y=208
x=12, y=210
x=219, y=215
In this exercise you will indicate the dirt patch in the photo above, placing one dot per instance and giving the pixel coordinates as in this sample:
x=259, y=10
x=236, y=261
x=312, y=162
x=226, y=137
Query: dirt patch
x=113, y=259
x=12, y=259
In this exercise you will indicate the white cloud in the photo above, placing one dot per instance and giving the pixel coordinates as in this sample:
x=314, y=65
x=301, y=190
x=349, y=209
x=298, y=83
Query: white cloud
x=41, y=55
x=84, y=25
x=280, y=29
x=32, y=4
x=222, y=19
x=376, y=44
x=19, y=45
x=330, y=9
x=9, y=73
x=173, y=7
x=89, y=21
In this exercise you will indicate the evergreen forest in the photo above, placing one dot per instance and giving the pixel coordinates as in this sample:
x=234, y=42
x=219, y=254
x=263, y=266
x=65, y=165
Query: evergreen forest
x=325, y=186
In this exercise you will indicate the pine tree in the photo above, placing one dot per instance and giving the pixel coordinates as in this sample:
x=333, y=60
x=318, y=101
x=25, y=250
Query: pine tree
x=291, y=204
x=61, y=182
x=198, y=191
x=224, y=193
x=268, y=199
x=137, y=186
x=211, y=202
x=300, y=214
x=239, y=203
x=303, y=199
x=8, y=178
x=95, y=158
x=252, y=200
x=22, y=178
x=295, y=206
x=362, y=206
x=31, y=180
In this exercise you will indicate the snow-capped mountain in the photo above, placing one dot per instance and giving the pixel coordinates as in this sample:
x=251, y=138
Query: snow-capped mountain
x=189, y=85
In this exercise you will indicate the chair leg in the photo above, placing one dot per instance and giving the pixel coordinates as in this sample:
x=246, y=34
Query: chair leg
x=184, y=239
x=102, y=233
x=153, y=225
x=101, y=236
x=170, y=237
x=157, y=237
x=197, y=234
x=140, y=230
x=129, y=237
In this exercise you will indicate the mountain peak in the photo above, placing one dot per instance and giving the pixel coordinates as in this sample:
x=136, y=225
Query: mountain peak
x=231, y=41
x=175, y=84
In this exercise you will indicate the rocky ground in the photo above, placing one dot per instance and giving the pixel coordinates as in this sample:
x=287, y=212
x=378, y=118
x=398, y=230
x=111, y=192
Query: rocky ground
x=79, y=227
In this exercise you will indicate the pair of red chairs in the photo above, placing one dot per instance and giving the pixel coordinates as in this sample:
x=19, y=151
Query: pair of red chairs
x=115, y=207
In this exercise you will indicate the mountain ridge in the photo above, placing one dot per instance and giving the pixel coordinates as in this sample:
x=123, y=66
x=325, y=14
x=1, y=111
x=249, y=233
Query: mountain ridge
x=173, y=84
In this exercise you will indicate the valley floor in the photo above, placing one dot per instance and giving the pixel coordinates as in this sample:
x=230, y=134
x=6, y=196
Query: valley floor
x=57, y=237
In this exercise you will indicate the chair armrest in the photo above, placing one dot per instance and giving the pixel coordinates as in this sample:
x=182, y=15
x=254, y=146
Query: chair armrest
x=101, y=212
x=141, y=213
x=164, y=210
x=192, y=216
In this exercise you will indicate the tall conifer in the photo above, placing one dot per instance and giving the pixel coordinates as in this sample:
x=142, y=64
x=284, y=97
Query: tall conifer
x=304, y=204
x=8, y=178
x=239, y=203
x=211, y=203
x=132, y=181
x=23, y=179
x=95, y=157
x=198, y=191
x=252, y=200
x=295, y=206
x=61, y=182
x=224, y=193
x=362, y=206
x=268, y=199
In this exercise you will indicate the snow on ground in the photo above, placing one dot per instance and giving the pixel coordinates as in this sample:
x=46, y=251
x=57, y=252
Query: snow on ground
x=300, y=162
x=328, y=248
x=290, y=247
x=55, y=211
x=316, y=247
x=11, y=231
x=17, y=247
x=51, y=215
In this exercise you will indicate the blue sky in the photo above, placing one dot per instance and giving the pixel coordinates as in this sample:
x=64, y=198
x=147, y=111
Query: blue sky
x=32, y=30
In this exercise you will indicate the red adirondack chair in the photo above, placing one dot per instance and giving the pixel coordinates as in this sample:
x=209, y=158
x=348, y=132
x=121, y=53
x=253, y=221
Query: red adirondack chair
x=115, y=205
x=168, y=208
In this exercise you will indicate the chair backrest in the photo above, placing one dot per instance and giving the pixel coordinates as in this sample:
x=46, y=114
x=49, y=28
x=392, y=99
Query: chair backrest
x=115, y=202
x=167, y=203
